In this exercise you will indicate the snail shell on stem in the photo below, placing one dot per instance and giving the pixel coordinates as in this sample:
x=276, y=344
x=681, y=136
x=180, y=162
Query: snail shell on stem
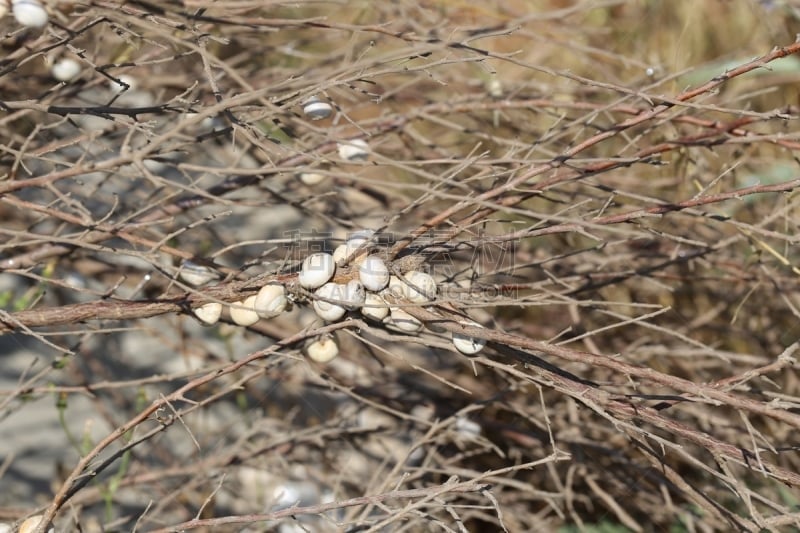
x=209, y=313
x=271, y=300
x=374, y=307
x=195, y=274
x=354, y=294
x=466, y=344
x=353, y=150
x=373, y=273
x=316, y=271
x=400, y=320
x=420, y=287
x=244, y=313
x=326, y=310
x=316, y=109
x=323, y=349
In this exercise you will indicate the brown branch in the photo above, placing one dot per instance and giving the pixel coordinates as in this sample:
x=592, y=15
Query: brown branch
x=179, y=395
x=426, y=494
x=697, y=392
x=523, y=177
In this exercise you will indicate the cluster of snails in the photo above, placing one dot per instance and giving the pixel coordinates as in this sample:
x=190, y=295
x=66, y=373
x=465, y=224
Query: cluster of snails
x=371, y=290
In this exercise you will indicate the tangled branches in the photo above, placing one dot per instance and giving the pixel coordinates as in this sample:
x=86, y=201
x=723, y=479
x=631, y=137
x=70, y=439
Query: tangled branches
x=610, y=229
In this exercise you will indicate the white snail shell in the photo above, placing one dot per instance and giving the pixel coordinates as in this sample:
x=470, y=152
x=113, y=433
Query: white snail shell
x=360, y=237
x=195, y=274
x=316, y=271
x=395, y=290
x=311, y=178
x=418, y=287
x=117, y=87
x=467, y=428
x=373, y=273
x=244, y=313
x=354, y=150
x=340, y=254
x=29, y=13
x=466, y=344
x=354, y=294
x=327, y=310
x=209, y=313
x=495, y=88
x=354, y=243
x=374, y=307
x=323, y=350
x=402, y=321
x=30, y=524
x=65, y=69
x=271, y=300
x=316, y=109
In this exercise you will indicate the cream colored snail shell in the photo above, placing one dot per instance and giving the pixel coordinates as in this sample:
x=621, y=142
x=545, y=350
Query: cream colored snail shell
x=271, y=300
x=323, y=349
x=352, y=245
x=354, y=294
x=373, y=273
x=402, y=321
x=374, y=307
x=30, y=524
x=420, y=287
x=208, y=313
x=244, y=313
x=316, y=271
x=311, y=178
x=328, y=310
x=118, y=84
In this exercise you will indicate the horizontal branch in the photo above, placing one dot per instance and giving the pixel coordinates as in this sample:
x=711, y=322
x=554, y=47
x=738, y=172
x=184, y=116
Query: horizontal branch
x=424, y=493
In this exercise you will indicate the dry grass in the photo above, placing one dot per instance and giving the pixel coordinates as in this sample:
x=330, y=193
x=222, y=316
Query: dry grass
x=607, y=187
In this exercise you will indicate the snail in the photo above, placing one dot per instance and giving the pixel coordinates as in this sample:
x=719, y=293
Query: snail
x=30, y=524
x=466, y=344
x=209, y=313
x=244, y=313
x=400, y=320
x=123, y=83
x=374, y=307
x=317, y=270
x=417, y=287
x=195, y=274
x=354, y=294
x=353, y=150
x=373, y=273
x=271, y=300
x=323, y=349
x=29, y=13
x=328, y=310
x=65, y=69
x=353, y=243
x=316, y=109
x=311, y=178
